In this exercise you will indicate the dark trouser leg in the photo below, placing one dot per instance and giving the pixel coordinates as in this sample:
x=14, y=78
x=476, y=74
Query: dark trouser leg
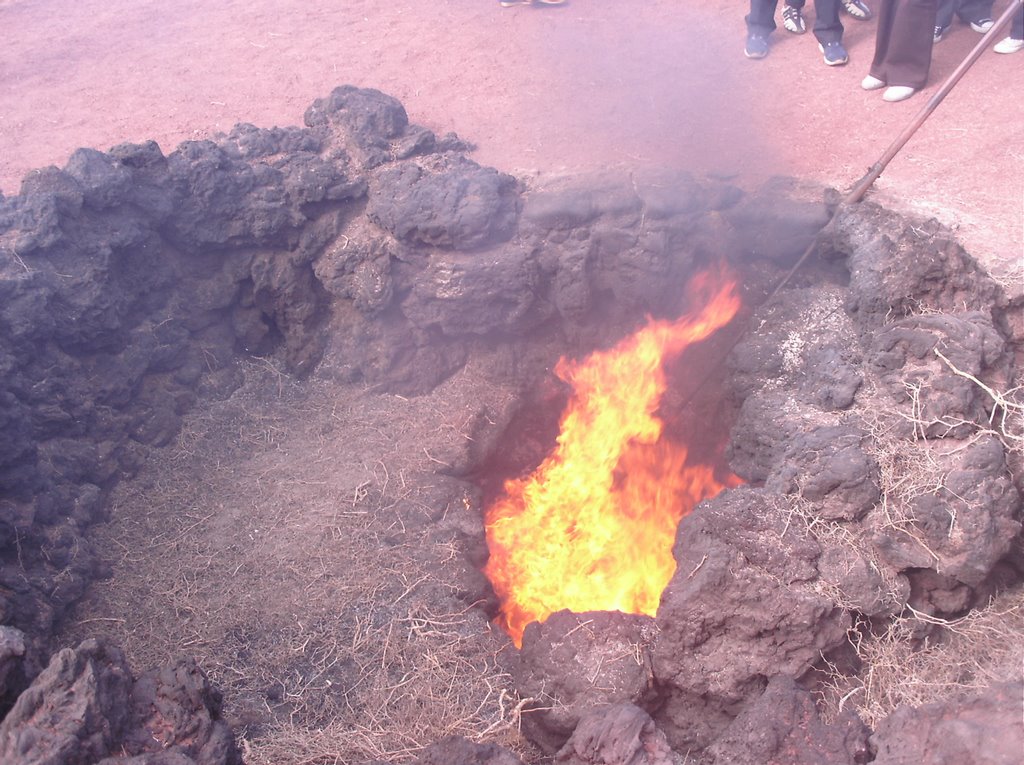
x=827, y=26
x=903, y=45
x=944, y=16
x=1017, y=26
x=974, y=10
x=761, y=19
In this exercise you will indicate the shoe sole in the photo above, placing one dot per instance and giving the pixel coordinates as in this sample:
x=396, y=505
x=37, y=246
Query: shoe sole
x=757, y=55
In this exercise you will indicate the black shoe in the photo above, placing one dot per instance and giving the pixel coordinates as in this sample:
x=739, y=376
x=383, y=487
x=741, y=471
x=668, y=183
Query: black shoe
x=757, y=46
x=940, y=32
x=981, y=26
x=793, y=20
x=835, y=53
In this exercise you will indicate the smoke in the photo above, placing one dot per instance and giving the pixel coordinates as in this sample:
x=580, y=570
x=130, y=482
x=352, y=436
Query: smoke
x=636, y=84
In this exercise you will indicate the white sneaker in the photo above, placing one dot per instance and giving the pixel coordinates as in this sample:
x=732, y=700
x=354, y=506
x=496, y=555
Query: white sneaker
x=898, y=93
x=872, y=83
x=1008, y=45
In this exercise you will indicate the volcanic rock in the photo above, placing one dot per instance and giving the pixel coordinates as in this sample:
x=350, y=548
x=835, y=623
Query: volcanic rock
x=84, y=708
x=366, y=249
x=898, y=267
x=572, y=662
x=622, y=734
x=448, y=202
x=74, y=712
x=744, y=604
x=775, y=224
x=12, y=665
x=985, y=728
x=904, y=358
x=456, y=750
x=963, y=523
x=783, y=727
x=829, y=469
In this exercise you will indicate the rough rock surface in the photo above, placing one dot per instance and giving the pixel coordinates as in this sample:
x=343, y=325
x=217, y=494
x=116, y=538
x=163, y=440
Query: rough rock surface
x=622, y=734
x=744, y=605
x=84, y=708
x=983, y=729
x=783, y=727
x=572, y=662
x=456, y=749
x=12, y=670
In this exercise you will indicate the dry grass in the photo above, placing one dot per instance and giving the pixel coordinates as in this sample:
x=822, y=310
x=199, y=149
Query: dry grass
x=854, y=540
x=290, y=541
x=961, y=656
x=916, y=658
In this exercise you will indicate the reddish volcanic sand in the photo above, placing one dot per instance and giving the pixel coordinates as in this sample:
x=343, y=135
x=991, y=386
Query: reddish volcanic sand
x=593, y=84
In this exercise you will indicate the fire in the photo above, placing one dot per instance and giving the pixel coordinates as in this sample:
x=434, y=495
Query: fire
x=592, y=529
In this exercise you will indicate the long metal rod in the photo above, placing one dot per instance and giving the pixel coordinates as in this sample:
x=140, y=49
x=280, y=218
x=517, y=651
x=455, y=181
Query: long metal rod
x=860, y=189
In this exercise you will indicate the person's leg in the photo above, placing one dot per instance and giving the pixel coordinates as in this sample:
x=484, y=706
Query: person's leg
x=944, y=15
x=761, y=19
x=793, y=16
x=907, y=56
x=975, y=13
x=1015, y=42
x=827, y=26
x=883, y=35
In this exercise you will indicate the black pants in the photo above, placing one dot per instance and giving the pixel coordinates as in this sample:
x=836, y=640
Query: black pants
x=967, y=10
x=903, y=43
x=827, y=26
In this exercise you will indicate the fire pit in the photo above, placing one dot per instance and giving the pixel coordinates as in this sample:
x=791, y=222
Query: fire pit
x=353, y=406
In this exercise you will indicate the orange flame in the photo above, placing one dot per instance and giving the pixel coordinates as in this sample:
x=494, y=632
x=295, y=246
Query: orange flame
x=592, y=529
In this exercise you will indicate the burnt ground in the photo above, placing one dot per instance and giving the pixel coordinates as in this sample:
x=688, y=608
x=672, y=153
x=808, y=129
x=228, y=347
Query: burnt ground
x=316, y=543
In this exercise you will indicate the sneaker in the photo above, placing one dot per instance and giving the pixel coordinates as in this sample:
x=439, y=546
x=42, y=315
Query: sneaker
x=757, y=46
x=939, y=33
x=793, y=20
x=981, y=26
x=898, y=93
x=1009, y=45
x=857, y=9
x=510, y=3
x=872, y=83
x=835, y=53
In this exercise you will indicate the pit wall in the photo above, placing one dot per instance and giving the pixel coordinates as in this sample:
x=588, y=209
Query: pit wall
x=361, y=246
x=365, y=249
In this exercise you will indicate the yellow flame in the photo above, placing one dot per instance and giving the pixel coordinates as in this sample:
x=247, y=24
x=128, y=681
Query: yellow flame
x=592, y=529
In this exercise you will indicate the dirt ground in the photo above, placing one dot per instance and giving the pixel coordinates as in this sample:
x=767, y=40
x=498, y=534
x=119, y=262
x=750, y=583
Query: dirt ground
x=592, y=84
